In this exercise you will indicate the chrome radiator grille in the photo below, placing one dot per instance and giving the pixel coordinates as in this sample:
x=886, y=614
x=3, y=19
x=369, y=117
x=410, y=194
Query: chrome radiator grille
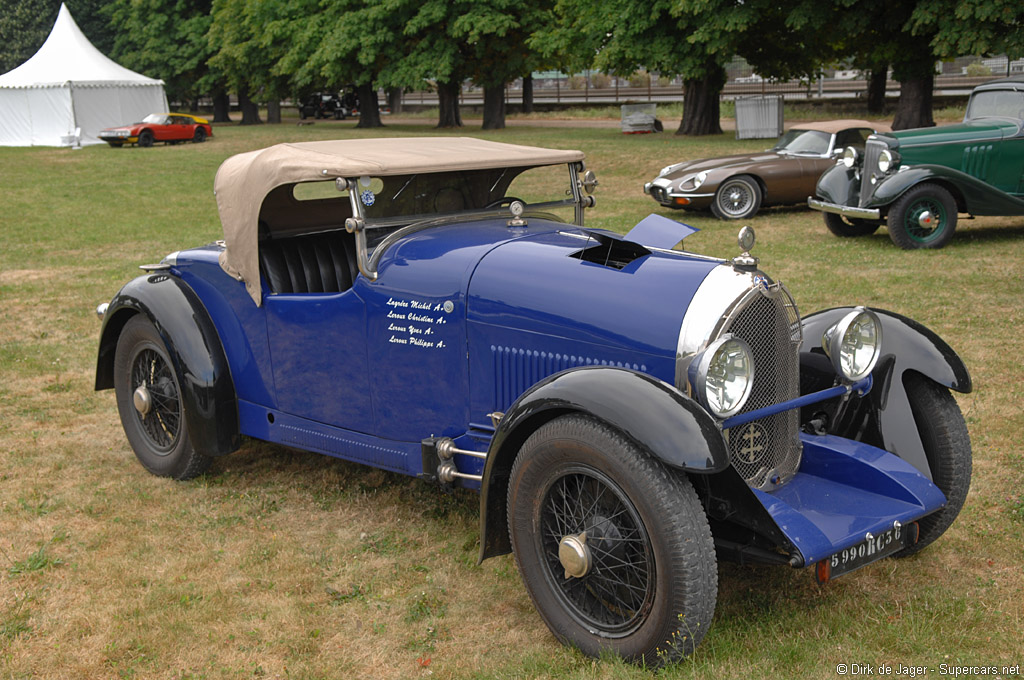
x=766, y=452
x=872, y=150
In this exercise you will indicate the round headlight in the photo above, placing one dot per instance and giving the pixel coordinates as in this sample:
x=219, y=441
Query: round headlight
x=885, y=160
x=699, y=178
x=854, y=344
x=849, y=157
x=723, y=375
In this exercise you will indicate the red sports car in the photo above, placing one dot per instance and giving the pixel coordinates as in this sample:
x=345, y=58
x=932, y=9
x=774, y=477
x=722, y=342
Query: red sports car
x=159, y=127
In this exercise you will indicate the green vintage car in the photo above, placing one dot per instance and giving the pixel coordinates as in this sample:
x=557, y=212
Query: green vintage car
x=917, y=181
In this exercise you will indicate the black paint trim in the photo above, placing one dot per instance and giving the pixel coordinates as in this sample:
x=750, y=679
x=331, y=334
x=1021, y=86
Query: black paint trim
x=211, y=407
x=656, y=416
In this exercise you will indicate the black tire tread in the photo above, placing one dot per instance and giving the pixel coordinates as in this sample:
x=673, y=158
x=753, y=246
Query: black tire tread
x=844, y=228
x=948, y=447
x=758, y=198
x=680, y=509
x=186, y=462
x=897, y=212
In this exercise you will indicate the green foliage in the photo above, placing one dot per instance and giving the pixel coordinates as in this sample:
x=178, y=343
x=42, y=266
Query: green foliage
x=971, y=26
x=24, y=25
x=166, y=39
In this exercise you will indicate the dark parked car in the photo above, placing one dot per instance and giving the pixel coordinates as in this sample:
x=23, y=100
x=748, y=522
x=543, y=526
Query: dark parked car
x=629, y=412
x=172, y=128
x=328, y=105
x=736, y=187
x=917, y=181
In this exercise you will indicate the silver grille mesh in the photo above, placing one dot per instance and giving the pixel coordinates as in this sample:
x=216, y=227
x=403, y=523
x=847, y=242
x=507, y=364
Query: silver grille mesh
x=766, y=452
x=872, y=150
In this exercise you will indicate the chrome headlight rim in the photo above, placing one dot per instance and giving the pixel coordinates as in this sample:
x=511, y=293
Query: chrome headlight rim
x=699, y=179
x=843, y=343
x=885, y=160
x=849, y=157
x=710, y=364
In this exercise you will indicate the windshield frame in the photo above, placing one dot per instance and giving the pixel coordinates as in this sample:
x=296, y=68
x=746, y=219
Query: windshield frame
x=807, y=134
x=359, y=223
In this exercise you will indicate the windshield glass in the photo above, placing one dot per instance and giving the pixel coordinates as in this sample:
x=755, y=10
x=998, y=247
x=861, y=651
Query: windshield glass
x=803, y=141
x=155, y=119
x=998, y=103
x=403, y=199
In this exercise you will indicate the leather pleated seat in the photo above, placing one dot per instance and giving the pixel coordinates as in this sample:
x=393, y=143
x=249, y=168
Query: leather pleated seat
x=312, y=263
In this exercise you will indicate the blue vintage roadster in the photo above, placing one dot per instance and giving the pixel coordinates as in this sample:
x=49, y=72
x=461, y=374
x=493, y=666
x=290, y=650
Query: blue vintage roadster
x=629, y=412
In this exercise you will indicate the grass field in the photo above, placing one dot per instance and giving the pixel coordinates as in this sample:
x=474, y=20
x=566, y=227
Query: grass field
x=281, y=564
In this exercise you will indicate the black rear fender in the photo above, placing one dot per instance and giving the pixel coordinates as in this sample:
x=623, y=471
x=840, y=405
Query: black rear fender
x=195, y=350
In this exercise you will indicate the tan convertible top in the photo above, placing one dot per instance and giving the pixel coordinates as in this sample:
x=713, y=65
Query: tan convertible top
x=243, y=181
x=834, y=126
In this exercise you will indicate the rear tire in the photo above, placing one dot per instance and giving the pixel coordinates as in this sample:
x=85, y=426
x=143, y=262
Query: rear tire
x=850, y=227
x=645, y=578
x=200, y=136
x=947, y=445
x=149, y=401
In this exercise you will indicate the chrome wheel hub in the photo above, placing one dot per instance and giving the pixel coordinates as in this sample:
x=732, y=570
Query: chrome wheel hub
x=143, y=400
x=926, y=219
x=574, y=555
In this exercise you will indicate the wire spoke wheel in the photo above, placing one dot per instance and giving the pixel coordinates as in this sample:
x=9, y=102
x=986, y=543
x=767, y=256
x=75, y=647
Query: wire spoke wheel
x=618, y=588
x=924, y=217
x=613, y=547
x=152, y=405
x=161, y=421
x=737, y=198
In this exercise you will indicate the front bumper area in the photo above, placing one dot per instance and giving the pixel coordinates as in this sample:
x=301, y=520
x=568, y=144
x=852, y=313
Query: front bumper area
x=660, y=190
x=844, y=492
x=844, y=210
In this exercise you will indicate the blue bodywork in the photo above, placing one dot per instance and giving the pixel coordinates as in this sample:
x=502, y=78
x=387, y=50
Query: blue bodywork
x=462, y=321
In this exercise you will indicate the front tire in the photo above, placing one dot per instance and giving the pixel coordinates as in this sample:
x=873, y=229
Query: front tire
x=850, y=227
x=924, y=217
x=947, y=446
x=145, y=138
x=613, y=547
x=149, y=401
x=737, y=198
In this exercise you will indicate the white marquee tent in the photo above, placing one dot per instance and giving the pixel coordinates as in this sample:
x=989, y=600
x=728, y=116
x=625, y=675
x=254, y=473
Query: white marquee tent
x=69, y=91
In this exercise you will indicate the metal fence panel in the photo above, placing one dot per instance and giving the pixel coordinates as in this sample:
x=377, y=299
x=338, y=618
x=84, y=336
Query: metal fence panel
x=759, y=117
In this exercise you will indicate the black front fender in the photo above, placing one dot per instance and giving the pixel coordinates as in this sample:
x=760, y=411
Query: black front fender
x=906, y=346
x=194, y=347
x=655, y=415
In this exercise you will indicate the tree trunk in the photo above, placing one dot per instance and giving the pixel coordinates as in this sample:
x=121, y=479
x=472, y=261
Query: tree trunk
x=701, y=111
x=494, y=107
x=876, y=88
x=914, y=109
x=250, y=112
x=369, y=109
x=395, y=100
x=221, y=107
x=274, y=110
x=448, y=99
x=528, y=94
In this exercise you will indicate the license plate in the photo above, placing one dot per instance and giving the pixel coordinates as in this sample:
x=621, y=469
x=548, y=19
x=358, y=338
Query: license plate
x=867, y=551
